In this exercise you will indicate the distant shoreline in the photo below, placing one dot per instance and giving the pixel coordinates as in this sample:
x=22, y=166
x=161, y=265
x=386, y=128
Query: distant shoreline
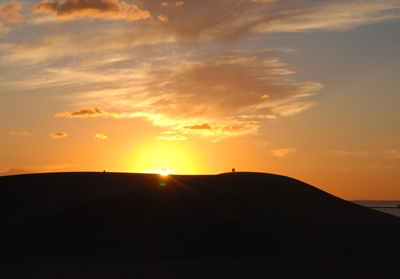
x=383, y=207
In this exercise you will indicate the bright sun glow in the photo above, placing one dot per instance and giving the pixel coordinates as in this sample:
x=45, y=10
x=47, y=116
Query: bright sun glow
x=175, y=158
x=164, y=172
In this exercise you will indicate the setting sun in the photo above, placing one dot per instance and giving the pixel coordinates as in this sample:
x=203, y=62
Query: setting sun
x=164, y=172
x=173, y=157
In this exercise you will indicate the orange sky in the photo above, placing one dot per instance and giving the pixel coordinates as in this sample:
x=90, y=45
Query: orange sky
x=307, y=90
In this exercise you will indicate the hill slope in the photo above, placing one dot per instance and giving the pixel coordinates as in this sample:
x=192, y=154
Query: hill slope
x=236, y=224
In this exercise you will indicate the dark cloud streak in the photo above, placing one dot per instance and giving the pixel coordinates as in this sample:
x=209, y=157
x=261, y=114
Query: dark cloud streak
x=58, y=135
x=204, y=126
x=107, y=9
x=84, y=112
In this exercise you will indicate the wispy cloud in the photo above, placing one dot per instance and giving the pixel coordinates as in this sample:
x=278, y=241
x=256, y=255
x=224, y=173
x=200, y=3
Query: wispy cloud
x=58, y=135
x=122, y=66
x=393, y=153
x=13, y=171
x=350, y=153
x=281, y=153
x=385, y=167
x=24, y=133
x=100, y=136
x=169, y=132
x=226, y=90
x=207, y=20
x=196, y=21
x=172, y=138
x=56, y=167
x=263, y=1
x=257, y=116
x=328, y=15
x=219, y=92
x=85, y=112
x=37, y=169
x=387, y=152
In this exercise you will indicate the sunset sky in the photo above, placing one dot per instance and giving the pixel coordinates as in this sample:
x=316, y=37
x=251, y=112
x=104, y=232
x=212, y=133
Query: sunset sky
x=307, y=89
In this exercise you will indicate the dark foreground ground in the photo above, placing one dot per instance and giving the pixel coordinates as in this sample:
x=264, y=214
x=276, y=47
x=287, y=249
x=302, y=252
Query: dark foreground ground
x=236, y=225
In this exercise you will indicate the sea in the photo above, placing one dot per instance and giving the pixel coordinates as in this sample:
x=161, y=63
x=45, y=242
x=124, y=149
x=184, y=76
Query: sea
x=383, y=206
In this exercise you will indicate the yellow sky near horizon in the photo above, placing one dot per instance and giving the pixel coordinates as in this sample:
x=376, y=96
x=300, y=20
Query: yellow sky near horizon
x=308, y=90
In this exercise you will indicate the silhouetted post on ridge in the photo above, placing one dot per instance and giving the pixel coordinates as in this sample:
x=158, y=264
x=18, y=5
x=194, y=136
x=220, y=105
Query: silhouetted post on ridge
x=233, y=170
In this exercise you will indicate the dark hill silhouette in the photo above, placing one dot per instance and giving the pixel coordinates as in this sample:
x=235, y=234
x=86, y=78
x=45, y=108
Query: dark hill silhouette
x=186, y=226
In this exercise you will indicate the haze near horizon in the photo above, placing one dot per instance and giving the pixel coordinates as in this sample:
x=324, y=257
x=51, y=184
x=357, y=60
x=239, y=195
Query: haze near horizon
x=309, y=90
